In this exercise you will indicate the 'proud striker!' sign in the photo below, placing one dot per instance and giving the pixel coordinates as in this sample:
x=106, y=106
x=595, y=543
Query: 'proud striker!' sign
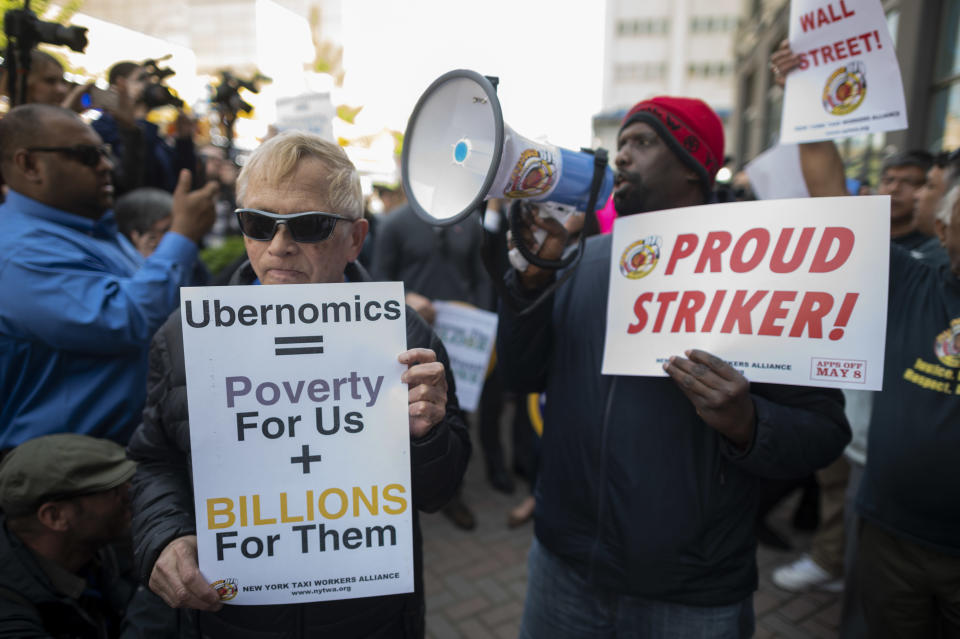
x=300, y=440
x=786, y=291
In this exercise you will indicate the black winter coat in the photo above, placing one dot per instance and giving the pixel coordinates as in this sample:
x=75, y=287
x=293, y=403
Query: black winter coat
x=635, y=491
x=31, y=606
x=163, y=498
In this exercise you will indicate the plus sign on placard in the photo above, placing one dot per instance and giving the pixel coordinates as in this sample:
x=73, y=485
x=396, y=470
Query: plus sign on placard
x=305, y=458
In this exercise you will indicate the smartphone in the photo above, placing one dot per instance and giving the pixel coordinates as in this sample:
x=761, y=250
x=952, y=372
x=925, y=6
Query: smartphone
x=97, y=98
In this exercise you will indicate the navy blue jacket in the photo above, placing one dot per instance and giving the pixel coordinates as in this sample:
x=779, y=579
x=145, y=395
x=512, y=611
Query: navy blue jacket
x=635, y=491
x=143, y=157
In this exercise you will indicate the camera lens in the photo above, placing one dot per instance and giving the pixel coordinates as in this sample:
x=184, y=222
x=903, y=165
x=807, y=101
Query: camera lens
x=53, y=33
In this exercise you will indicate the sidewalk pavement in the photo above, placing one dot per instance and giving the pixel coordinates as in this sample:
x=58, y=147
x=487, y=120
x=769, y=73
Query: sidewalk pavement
x=475, y=581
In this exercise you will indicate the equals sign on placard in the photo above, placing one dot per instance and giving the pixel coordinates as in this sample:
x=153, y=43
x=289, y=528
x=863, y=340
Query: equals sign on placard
x=298, y=345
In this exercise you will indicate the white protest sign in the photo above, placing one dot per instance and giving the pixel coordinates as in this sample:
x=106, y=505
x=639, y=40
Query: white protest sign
x=468, y=334
x=848, y=82
x=787, y=291
x=775, y=174
x=311, y=112
x=300, y=440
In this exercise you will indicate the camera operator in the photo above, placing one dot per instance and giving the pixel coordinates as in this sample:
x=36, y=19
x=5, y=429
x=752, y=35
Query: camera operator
x=45, y=83
x=32, y=76
x=159, y=162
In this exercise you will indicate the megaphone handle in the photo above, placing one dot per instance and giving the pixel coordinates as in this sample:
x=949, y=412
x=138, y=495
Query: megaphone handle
x=528, y=255
x=599, y=171
x=558, y=212
x=489, y=249
x=548, y=292
x=524, y=307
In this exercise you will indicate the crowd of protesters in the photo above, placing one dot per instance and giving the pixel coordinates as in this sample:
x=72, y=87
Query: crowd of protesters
x=648, y=493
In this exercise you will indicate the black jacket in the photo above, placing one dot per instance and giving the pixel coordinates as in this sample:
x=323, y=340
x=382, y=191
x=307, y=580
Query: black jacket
x=438, y=262
x=32, y=606
x=911, y=486
x=163, y=497
x=635, y=491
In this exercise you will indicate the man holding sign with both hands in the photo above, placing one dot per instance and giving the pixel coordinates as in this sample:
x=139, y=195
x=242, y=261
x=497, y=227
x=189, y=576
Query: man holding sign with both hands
x=302, y=224
x=646, y=495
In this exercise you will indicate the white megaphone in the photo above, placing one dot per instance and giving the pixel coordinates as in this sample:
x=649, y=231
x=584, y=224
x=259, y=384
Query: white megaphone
x=457, y=152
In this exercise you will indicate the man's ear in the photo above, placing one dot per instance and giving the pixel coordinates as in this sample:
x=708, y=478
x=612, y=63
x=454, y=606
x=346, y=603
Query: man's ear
x=358, y=233
x=56, y=515
x=26, y=164
x=941, y=230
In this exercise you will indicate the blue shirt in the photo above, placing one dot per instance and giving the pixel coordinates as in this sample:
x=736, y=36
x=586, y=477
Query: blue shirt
x=77, y=314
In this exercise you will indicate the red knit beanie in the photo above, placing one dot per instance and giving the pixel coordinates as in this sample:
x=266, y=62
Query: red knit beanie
x=689, y=127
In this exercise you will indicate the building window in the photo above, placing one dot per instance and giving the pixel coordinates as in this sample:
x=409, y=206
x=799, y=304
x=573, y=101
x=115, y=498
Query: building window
x=710, y=69
x=642, y=27
x=634, y=72
x=944, y=122
x=713, y=24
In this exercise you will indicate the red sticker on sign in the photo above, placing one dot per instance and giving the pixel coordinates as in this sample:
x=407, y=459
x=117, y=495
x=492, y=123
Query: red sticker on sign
x=847, y=370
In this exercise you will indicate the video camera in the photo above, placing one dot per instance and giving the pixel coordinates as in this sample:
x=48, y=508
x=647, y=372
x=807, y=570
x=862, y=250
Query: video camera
x=227, y=95
x=227, y=100
x=24, y=31
x=155, y=93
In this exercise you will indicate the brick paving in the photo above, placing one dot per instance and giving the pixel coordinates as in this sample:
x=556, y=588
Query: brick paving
x=475, y=581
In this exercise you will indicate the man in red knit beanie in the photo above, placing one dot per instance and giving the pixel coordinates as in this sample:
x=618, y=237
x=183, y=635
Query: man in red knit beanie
x=646, y=494
x=677, y=168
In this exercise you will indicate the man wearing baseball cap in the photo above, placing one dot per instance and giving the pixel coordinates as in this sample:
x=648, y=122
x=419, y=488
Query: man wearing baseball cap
x=64, y=500
x=646, y=496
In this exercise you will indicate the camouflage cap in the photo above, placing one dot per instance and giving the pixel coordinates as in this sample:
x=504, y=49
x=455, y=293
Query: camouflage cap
x=59, y=467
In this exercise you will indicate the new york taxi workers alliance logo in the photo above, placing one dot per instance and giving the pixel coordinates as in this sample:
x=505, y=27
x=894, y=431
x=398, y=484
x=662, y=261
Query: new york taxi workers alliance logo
x=226, y=588
x=534, y=174
x=640, y=258
x=947, y=345
x=845, y=89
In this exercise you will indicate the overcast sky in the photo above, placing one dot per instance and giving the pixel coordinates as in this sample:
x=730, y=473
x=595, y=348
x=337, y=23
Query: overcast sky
x=548, y=56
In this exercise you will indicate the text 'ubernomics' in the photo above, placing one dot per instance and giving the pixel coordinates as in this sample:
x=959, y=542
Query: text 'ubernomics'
x=279, y=314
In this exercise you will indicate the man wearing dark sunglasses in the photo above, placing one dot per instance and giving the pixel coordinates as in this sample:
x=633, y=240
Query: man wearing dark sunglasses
x=302, y=223
x=78, y=312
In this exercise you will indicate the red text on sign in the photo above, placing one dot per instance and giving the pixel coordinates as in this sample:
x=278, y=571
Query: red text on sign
x=848, y=370
x=840, y=50
x=753, y=247
x=689, y=312
x=824, y=16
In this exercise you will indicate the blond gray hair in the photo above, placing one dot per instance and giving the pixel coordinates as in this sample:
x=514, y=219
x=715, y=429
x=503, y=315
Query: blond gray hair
x=277, y=159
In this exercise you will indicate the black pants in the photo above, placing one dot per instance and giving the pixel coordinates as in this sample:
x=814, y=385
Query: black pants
x=490, y=411
x=909, y=591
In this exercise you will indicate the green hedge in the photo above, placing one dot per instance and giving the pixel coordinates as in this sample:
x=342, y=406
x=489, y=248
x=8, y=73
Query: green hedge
x=224, y=255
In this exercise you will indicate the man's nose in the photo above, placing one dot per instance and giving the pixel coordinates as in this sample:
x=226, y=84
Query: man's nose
x=621, y=158
x=282, y=242
x=106, y=164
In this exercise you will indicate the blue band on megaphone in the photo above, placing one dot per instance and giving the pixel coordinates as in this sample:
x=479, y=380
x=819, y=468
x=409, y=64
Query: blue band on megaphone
x=573, y=187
